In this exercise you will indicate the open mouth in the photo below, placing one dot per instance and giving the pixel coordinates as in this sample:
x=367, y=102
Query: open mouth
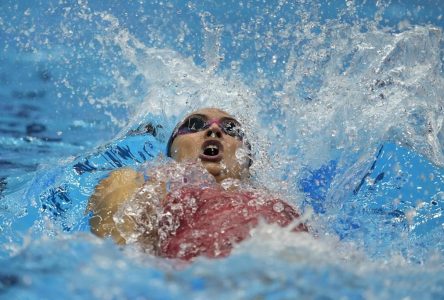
x=211, y=151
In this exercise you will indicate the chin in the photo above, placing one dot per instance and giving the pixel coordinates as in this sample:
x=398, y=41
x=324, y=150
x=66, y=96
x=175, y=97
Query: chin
x=213, y=168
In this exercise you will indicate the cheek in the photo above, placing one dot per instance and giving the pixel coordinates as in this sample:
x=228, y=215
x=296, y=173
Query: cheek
x=232, y=148
x=184, y=148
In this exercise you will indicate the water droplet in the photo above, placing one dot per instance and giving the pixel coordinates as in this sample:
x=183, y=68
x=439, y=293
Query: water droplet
x=278, y=207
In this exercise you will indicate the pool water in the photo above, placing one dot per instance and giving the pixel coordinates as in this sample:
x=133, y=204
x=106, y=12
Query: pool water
x=342, y=102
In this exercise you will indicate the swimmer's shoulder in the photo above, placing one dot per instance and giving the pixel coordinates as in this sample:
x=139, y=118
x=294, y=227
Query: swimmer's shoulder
x=108, y=196
x=124, y=176
x=120, y=181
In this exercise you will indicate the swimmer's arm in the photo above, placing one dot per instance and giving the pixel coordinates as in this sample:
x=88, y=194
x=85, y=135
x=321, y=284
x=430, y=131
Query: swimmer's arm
x=108, y=197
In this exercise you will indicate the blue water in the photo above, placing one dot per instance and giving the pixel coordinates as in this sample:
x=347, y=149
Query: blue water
x=342, y=102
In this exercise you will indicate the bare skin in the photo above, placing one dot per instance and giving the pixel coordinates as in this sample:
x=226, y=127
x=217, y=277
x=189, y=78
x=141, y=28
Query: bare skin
x=112, y=192
x=190, y=147
x=108, y=196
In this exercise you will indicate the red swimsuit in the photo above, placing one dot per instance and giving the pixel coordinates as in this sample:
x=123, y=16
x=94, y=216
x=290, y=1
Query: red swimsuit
x=210, y=221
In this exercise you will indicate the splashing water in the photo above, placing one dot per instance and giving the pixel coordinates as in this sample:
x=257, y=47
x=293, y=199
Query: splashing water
x=342, y=103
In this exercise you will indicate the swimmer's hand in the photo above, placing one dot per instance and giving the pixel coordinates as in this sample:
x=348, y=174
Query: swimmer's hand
x=110, y=194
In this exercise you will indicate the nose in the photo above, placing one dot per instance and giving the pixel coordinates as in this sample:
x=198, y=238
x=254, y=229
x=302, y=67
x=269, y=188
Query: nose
x=214, y=131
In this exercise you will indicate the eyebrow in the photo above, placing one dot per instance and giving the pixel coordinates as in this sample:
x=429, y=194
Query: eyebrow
x=207, y=118
x=193, y=115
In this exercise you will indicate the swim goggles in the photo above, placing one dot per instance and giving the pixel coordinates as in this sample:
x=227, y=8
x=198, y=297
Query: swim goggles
x=197, y=122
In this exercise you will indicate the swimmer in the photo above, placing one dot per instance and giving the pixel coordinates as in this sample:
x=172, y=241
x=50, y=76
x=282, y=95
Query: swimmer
x=193, y=217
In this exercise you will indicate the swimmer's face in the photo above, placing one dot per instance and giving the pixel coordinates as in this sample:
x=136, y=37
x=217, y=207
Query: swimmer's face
x=215, y=145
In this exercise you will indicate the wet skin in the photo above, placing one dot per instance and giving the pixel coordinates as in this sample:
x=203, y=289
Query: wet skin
x=191, y=147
